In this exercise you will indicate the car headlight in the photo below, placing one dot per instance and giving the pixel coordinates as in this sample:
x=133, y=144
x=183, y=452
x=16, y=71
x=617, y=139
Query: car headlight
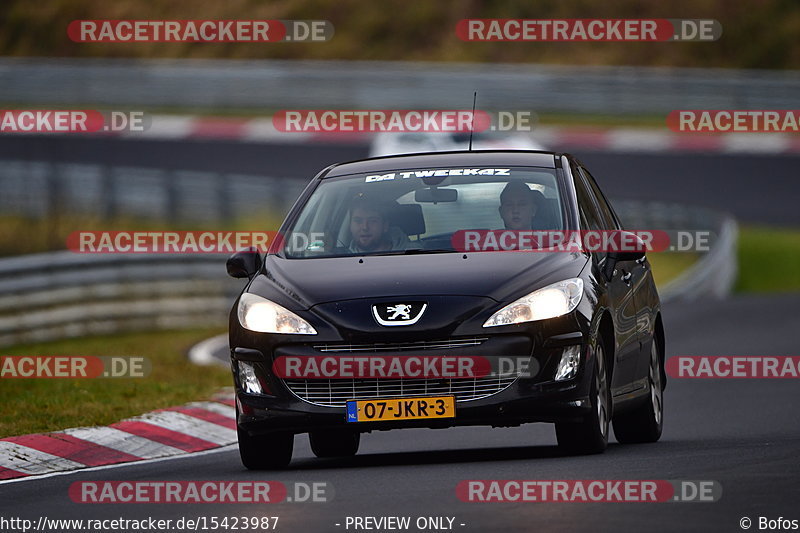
x=548, y=302
x=259, y=314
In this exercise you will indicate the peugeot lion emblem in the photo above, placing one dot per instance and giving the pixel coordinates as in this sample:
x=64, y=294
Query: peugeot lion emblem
x=398, y=314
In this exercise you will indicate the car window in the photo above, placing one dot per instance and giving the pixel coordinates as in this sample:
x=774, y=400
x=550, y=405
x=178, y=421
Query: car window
x=590, y=218
x=606, y=212
x=394, y=211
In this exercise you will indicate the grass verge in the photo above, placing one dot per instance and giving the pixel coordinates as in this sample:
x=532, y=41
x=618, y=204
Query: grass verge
x=41, y=405
x=769, y=259
x=669, y=265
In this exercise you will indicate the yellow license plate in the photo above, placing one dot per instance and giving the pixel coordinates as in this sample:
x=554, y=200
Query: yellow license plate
x=401, y=409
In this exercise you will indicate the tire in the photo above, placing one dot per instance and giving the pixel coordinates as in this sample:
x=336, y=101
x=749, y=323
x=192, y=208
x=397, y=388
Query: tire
x=590, y=436
x=265, y=452
x=646, y=422
x=334, y=443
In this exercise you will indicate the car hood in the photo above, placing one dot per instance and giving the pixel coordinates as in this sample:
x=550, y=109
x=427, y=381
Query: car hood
x=503, y=276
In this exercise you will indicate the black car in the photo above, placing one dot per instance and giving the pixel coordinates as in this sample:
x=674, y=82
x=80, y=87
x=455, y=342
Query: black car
x=372, y=271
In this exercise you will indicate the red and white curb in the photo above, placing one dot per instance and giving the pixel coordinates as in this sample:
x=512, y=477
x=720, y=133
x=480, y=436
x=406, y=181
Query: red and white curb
x=558, y=138
x=190, y=428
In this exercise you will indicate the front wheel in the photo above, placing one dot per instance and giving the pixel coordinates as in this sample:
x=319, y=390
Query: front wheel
x=591, y=434
x=265, y=452
x=646, y=422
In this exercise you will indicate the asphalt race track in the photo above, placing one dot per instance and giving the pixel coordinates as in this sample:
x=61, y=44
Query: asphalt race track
x=744, y=434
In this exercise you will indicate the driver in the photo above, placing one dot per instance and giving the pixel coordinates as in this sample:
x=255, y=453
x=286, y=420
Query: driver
x=518, y=205
x=370, y=229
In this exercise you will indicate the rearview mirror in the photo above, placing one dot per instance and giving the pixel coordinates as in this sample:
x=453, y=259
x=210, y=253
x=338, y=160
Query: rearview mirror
x=244, y=264
x=434, y=195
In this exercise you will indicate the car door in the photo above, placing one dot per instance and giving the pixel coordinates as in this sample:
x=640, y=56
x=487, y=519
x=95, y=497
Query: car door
x=621, y=297
x=640, y=280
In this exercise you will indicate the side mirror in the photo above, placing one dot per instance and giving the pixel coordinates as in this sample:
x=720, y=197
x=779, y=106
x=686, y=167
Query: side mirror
x=244, y=264
x=628, y=246
x=628, y=256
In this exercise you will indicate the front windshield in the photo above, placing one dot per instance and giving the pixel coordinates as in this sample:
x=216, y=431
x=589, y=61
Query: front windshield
x=419, y=210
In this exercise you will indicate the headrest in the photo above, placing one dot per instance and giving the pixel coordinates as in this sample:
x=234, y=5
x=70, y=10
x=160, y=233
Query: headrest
x=408, y=217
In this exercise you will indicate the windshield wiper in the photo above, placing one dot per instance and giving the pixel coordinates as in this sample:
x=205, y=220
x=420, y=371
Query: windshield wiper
x=414, y=251
x=417, y=251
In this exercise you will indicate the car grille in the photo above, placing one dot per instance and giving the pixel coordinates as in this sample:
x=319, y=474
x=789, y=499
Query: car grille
x=402, y=346
x=336, y=392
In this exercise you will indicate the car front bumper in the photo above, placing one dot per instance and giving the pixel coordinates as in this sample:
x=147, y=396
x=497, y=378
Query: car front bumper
x=527, y=399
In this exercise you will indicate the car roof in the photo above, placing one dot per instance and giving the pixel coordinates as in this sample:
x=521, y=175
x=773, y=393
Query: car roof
x=446, y=159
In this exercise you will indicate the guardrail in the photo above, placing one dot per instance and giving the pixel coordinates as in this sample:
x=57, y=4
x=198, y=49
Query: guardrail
x=37, y=188
x=281, y=84
x=714, y=274
x=715, y=271
x=58, y=295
